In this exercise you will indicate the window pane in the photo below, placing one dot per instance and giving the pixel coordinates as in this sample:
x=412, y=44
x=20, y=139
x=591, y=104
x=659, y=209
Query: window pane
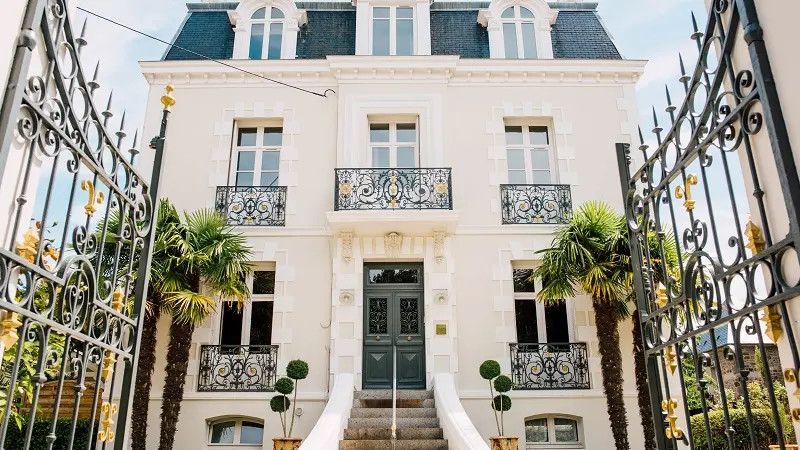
x=529, y=40
x=404, y=44
x=270, y=160
x=540, y=160
x=231, y=325
x=536, y=430
x=277, y=13
x=527, y=330
x=247, y=136
x=380, y=13
x=259, y=14
x=406, y=132
x=517, y=177
x=261, y=325
x=380, y=157
x=510, y=39
x=256, y=40
x=273, y=136
x=252, y=433
x=275, y=37
x=508, y=13
x=379, y=132
x=516, y=159
x=541, y=177
x=405, y=157
x=522, y=280
x=269, y=179
x=525, y=12
x=566, y=430
x=405, y=12
x=222, y=433
x=380, y=35
x=538, y=135
x=393, y=276
x=555, y=319
x=244, y=178
x=247, y=161
x=263, y=282
x=513, y=135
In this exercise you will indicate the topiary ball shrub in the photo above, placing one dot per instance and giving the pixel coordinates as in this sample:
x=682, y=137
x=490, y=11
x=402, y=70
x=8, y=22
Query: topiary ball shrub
x=501, y=403
x=297, y=369
x=280, y=403
x=503, y=384
x=763, y=427
x=490, y=369
x=284, y=386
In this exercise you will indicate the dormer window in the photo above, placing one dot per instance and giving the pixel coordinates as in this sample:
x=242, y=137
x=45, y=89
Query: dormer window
x=519, y=32
x=266, y=33
x=392, y=30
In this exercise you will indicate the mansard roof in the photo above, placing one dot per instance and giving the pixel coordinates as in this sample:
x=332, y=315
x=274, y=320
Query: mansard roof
x=577, y=33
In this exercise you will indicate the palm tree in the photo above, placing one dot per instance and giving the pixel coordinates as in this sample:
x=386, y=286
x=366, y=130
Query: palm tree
x=212, y=258
x=591, y=254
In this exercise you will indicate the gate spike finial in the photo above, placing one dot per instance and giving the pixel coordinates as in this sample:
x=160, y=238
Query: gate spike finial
x=670, y=107
x=94, y=85
x=107, y=113
x=121, y=133
x=81, y=41
x=642, y=146
x=134, y=150
x=656, y=129
x=685, y=79
x=697, y=33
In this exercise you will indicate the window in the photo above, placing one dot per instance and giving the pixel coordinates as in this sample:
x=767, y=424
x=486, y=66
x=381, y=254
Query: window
x=393, y=30
x=393, y=145
x=548, y=430
x=529, y=155
x=519, y=33
x=251, y=324
x=258, y=156
x=537, y=322
x=266, y=33
x=236, y=432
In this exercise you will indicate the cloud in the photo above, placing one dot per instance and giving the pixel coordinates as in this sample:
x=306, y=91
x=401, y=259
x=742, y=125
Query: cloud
x=665, y=67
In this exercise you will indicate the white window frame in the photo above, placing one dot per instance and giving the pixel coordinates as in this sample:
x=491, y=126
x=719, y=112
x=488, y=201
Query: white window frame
x=247, y=309
x=551, y=429
x=237, y=431
x=393, y=28
x=259, y=149
x=541, y=323
x=267, y=21
x=518, y=20
x=393, y=144
x=526, y=148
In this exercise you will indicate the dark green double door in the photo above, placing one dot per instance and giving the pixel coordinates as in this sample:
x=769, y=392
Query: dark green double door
x=393, y=321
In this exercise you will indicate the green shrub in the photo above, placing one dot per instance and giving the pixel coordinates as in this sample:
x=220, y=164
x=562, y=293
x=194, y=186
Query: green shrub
x=501, y=403
x=15, y=438
x=279, y=403
x=763, y=426
x=490, y=369
x=503, y=384
x=297, y=369
x=284, y=386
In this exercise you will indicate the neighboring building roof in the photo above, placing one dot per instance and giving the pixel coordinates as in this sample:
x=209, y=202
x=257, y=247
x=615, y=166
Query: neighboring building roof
x=331, y=30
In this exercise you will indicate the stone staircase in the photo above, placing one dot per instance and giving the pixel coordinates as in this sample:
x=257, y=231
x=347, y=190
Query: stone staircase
x=370, y=424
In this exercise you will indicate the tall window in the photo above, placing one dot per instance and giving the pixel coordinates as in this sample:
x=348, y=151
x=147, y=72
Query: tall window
x=537, y=322
x=251, y=324
x=236, y=432
x=393, y=30
x=529, y=155
x=266, y=33
x=258, y=155
x=394, y=144
x=519, y=32
x=548, y=430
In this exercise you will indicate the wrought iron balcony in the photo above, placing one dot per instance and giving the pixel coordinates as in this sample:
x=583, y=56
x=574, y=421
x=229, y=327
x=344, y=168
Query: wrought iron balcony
x=237, y=368
x=550, y=366
x=536, y=203
x=412, y=188
x=252, y=205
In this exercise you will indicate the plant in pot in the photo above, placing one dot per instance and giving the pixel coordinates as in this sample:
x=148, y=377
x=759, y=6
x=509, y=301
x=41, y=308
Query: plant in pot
x=296, y=370
x=490, y=371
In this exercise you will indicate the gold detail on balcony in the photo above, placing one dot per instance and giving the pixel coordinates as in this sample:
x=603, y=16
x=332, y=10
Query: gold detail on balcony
x=673, y=431
x=105, y=434
x=94, y=196
x=661, y=296
x=441, y=188
x=393, y=191
x=345, y=189
x=686, y=191
x=670, y=358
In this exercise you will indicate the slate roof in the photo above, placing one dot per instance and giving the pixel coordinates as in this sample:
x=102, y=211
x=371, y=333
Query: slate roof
x=331, y=30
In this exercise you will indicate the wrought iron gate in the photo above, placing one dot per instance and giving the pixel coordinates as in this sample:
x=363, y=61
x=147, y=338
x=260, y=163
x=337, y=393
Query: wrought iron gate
x=711, y=311
x=76, y=228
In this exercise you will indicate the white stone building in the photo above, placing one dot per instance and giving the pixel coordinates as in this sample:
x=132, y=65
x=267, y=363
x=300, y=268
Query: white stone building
x=396, y=208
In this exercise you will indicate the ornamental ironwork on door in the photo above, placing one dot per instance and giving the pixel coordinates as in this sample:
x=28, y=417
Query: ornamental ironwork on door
x=715, y=262
x=76, y=229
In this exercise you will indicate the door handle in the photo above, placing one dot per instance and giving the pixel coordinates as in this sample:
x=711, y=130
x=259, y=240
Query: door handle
x=377, y=338
x=409, y=337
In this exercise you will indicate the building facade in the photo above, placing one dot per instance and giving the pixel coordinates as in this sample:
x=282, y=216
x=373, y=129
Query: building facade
x=395, y=166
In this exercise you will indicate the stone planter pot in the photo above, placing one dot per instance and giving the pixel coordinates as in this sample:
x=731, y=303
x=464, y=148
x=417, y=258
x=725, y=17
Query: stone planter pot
x=504, y=442
x=286, y=443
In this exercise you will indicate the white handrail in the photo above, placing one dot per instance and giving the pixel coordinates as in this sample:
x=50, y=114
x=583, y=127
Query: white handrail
x=458, y=428
x=394, y=394
x=329, y=429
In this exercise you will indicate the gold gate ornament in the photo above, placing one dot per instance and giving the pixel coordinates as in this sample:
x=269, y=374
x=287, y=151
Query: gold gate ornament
x=105, y=434
x=673, y=431
x=790, y=376
x=686, y=191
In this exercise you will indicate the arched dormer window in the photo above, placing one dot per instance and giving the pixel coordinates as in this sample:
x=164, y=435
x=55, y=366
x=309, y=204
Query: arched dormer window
x=266, y=33
x=519, y=32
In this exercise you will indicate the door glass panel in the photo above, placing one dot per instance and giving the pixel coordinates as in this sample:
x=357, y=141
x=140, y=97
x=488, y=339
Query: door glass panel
x=247, y=137
x=529, y=40
x=405, y=34
x=244, y=179
x=555, y=318
x=275, y=40
x=232, y=320
x=516, y=177
x=380, y=157
x=273, y=136
x=409, y=315
x=527, y=330
x=510, y=38
x=538, y=136
x=513, y=135
x=523, y=281
x=256, y=40
x=541, y=177
x=566, y=430
x=247, y=161
x=222, y=433
x=261, y=323
x=406, y=132
x=379, y=132
x=378, y=316
x=405, y=157
x=263, y=282
x=252, y=433
x=380, y=276
x=269, y=178
x=380, y=31
x=516, y=159
x=270, y=160
x=536, y=430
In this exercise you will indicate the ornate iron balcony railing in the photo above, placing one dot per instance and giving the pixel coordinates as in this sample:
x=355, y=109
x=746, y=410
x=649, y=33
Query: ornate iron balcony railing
x=550, y=366
x=238, y=368
x=252, y=205
x=412, y=188
x=536, y=203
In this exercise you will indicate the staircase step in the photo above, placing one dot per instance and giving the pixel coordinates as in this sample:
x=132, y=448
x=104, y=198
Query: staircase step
x=387, y=394
x=387, y=412
x=406, y=422
x=385, y=433
x=426, y=444
x=401, y=403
